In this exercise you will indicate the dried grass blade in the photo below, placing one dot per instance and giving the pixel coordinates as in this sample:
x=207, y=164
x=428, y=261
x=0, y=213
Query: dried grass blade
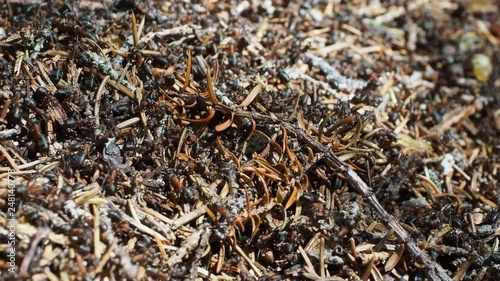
x=216, y=71
x=224, y=125
x=259, y=221
x=121, y=88
x=43, y=72
x=127, y=123
x=224, y=191
x=105, y=258
x=161, y=247
x=261, y=134
x=419, y=145
x=9, y=159
x=487, y=201
x=322, y=257
x=289, y=152
x=98, y=98
x=368, y=271
x=211, y=214
x=298, y=209
x=135, y=33
x=340, y=123
x=292, y=199
x=240, y=225
x=307, y=260
x=323, y=123
x=279, y=149
x=463, y=268
x=284, y=140
x=265, y=188
x=220, y=261
x=254, y=125
x=355, y=137
x=211, y=90
x=255, y=226
x=394, y=259
x=269, y=176
x=253, y=94
x=97, y=232
x=211, y=114
x=188, y=70
x=263, y=162
x=139, y=33
x=221, y=147
x=161, y=72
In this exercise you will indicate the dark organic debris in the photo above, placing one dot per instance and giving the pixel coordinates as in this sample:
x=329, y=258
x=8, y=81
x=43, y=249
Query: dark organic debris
x=249, y=140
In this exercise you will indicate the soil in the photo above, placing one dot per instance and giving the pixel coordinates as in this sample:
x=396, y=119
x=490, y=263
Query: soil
x=249, y=140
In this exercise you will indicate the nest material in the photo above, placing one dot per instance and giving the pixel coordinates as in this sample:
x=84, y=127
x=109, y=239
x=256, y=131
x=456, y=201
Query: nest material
x=244, y=141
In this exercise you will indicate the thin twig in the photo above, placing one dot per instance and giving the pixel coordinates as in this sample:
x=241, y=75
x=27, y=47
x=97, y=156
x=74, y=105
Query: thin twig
x=333, y=75
x=192, y=242
x=9, y=158
x=106, y=256
x=189, y=217
x=248, y=260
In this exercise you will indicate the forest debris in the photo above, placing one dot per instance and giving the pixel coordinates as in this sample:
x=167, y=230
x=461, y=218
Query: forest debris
x=198, y=237
x=235, y=133
x=333, y=75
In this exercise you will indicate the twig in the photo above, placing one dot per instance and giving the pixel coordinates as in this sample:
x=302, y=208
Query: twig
x=122, y=88
x=104, y=65
x=333, y=76
x=189, y=217
x=248, y=260
x=207, y=275
x=42, y=233
x=191, y=243
x=176, y=31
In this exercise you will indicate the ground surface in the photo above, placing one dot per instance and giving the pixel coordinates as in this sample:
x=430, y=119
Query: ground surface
x=260, y=140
